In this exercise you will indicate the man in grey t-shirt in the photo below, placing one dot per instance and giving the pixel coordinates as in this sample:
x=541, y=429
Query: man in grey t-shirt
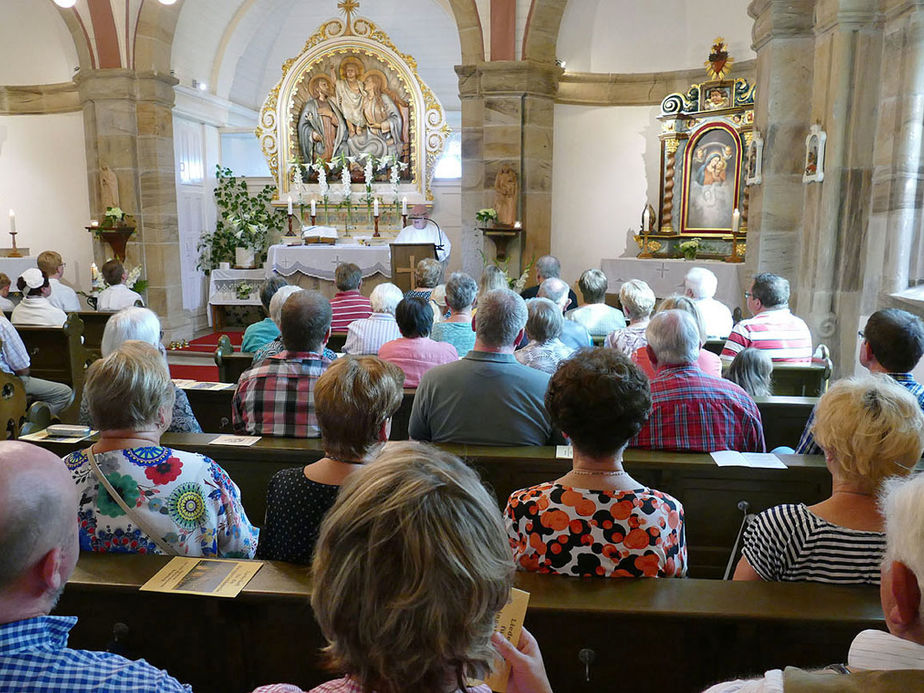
x=487, y=397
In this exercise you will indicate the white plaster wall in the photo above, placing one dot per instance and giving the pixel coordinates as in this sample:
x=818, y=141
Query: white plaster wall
x=631, y=36
x=35, y=44
x=604, y=168
x=43, y=176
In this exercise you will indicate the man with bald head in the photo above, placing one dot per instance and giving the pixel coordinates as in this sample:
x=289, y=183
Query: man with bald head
x=573, y=334
x=38, y=551
x=690, y=409
x=276, y=398
x=547, y=267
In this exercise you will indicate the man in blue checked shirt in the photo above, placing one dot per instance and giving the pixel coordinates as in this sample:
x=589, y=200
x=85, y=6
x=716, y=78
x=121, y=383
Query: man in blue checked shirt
x=38, y=552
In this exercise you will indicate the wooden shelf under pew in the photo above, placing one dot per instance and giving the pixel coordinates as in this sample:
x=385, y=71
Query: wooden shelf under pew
x=712, y=630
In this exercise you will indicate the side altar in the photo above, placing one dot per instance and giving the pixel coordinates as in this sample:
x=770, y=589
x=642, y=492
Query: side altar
x=706, y=163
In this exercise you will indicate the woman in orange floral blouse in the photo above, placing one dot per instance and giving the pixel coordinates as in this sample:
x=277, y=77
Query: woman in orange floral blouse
x=597, y=520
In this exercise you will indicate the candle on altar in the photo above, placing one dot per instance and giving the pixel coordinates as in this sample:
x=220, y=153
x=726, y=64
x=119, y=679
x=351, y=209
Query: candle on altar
x=404, y=207
x=314, y=207
x=736, y=221
x=12, y=221
x=290, y=205
x=646, y=217
x=375, y=207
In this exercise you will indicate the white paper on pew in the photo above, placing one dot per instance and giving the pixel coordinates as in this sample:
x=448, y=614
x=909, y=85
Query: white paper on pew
x=204, y=385
x=755, y=460
x=234, y=440
x=183, y=383
x=564, y=452
x=39, y=436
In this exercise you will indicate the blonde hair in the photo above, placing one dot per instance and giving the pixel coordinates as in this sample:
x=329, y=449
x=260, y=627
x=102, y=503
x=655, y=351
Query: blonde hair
x=352, y=399
x=428, y=272
x=49, y=261
x=411, y=566
x=126, y=389
x=688, y=305
x=871, y=428
x=637, y=299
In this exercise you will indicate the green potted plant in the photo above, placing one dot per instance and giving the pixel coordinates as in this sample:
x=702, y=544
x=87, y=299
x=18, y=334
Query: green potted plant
x=486, y=216
x=689, y=248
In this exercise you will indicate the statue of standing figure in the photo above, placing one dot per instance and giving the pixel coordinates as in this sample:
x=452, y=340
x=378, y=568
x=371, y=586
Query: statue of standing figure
x=350, y=93
x=322, y=129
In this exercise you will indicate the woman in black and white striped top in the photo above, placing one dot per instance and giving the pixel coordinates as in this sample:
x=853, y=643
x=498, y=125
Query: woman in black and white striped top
x=869, y=428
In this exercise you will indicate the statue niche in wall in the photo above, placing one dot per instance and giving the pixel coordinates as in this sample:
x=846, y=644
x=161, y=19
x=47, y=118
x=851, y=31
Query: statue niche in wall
x=353, y=108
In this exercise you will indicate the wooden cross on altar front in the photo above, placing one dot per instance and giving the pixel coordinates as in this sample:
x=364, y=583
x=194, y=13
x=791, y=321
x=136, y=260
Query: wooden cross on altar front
x=410, y=270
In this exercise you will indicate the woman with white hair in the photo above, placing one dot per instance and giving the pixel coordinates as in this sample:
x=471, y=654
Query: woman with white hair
x=707, y=361
x=275, y=312
x=637, y=301
x=870, y=428
x=141, y=324
x=543, y=328
x=367, y=336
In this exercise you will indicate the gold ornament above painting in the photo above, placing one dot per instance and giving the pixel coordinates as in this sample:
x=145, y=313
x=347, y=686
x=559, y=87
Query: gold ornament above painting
x=351, y=100
x=705, y=138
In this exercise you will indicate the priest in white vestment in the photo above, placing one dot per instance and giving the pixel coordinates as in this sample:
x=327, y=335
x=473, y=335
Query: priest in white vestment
x=425, y=230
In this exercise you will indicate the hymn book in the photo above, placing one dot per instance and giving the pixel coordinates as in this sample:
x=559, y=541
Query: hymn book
x=210, y=577
x=509, y=623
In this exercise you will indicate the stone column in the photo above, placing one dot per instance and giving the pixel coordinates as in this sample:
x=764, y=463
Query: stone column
x=784, y=43
x=507, y=118
x=129, y=127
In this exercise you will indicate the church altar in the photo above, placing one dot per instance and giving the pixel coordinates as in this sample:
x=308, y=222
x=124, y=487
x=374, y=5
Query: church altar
x=15, y=266
x=665, y=277
x=320, y=261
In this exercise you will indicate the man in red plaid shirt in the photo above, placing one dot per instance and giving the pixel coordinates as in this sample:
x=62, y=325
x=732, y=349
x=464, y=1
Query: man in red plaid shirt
x=692, y=410
x=277, y=397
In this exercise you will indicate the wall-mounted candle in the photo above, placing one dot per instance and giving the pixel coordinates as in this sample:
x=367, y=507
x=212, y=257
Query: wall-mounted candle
x=518, y=225
x=375, y=207
x=94, y=223
x=404, y=207
x=736, y=221
x=290, y=205
x=314, y=207
x=12, y=221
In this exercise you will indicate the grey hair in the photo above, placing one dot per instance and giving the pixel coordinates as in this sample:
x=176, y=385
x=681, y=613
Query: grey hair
x=133, y=323
x=428, y=272
x=501, y=315
x=548, y=267
x=553, y=289
x=544, y=321
x=593, y=285
x=385, y=298
x=702, y=283
x=673, y=337
x=461, y=290
x=686, y=304
x=279, y=300
x=637, y=299
x=269, y=289
x=901, y=502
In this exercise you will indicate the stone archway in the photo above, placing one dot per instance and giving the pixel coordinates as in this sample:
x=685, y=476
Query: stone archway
x=471, y=36
x=541, y=34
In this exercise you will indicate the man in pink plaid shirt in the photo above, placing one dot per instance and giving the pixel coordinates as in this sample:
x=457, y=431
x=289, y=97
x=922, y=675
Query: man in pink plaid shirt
x=277, y=397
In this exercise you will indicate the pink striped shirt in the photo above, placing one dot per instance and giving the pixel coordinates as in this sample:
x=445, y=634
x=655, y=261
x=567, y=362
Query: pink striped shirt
x=347, y=306
x=416, y=356
x=784, y=337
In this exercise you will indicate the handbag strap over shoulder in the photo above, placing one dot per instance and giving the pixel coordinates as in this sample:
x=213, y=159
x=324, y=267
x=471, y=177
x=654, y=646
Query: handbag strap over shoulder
x=132, y=515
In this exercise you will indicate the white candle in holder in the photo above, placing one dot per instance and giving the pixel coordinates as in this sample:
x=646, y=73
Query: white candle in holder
x=375, y=207
x=290, y=205
x=646, y=217
x=404, y=207
x=12, y=221
x=314, y=207
x=736, y=221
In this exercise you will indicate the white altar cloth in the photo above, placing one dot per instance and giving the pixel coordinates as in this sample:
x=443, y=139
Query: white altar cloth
x=665, y=277
x=223, y=288
x=15, y=266
x=320, y=261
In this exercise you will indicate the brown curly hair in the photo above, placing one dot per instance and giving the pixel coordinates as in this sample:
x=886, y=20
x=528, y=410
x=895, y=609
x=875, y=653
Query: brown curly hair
x=599, y=399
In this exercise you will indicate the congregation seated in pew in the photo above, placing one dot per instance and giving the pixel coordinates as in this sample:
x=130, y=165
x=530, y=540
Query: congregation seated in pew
x=169, y=501
x=40, y=545
x=700, y=284
x=116, y=296
x=573, y=333
x=275, y=397
x=6, y=305
x=258, y=334
x=414, y=352
x=707, y=361
x=637, y=300
x=456, y=329
x=596, y=520
x=141, y=324
x=366, y=336
x=275, y=346
x=545, y=349
x=402, y=532
x=752, y=371
x=595, y=316
x=869, y=428
x=62, y=296
x=35, y=308
x=348, y=304
x=354, y=401
x=14, y=359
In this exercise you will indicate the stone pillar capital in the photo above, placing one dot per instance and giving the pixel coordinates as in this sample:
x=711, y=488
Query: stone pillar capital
x=775, y=19
x=119, y=84
x=506, y=78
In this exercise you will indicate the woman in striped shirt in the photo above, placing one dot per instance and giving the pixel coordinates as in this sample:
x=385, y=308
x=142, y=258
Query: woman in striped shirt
x=869, y=428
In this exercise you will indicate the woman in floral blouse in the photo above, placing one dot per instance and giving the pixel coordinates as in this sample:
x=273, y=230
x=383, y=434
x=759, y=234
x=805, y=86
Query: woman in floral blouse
x=184, y=499
x=597, y=520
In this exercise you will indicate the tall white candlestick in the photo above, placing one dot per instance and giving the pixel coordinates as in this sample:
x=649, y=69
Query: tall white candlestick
x=404, y=207
x=12, y=221
x=314, y=207
x=290, y=204
x=645, y=219
x=375, y=207
x=736, y=221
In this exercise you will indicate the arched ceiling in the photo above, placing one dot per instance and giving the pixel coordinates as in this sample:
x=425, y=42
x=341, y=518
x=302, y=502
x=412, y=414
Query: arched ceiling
x=624, y=36
x=238, y=46
x=35, y=44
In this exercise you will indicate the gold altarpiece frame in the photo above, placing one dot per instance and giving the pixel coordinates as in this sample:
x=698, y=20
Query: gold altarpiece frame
x=705, y=138
x=413, y=131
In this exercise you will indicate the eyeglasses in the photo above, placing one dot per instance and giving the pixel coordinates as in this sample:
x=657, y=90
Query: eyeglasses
x=748, y=294
x=860, y=334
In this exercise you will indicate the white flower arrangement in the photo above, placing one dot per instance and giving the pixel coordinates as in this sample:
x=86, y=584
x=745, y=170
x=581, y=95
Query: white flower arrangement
x=323, y=187
x=133, y=281
x=345, y=182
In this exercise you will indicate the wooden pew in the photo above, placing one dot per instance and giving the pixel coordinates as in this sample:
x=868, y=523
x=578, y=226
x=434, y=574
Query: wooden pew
x=12, y=406
x=94, y=323
x=801, y=379
x=709, y=493
x=784, y=418
x=712, y=630
x=57, y=354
